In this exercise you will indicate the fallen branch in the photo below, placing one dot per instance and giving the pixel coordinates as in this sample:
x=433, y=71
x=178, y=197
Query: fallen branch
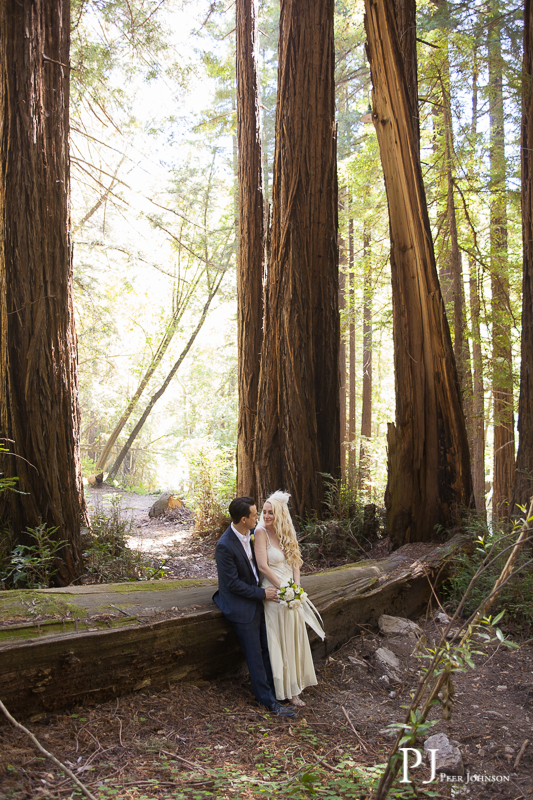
x=350, y=723
x=189, y=763
x=45, y=752
x=521, y=753
x=329, y=766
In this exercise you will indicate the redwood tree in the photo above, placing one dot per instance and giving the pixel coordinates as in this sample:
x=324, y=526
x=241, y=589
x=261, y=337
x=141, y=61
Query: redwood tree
x=38, y=358
x=428, y=463
x=251, y=251
x=523, y=480
x=297, y=429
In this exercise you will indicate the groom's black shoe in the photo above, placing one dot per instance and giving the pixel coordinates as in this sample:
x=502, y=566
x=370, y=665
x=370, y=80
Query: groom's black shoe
x=282, y=711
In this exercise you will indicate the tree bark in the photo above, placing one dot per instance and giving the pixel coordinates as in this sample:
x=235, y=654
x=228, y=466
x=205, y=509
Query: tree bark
x=297, y=434
x=38, y=348
x=523, y=478
x=502, y=363
x=251, y=251
x=429, y=478
x=405, y=16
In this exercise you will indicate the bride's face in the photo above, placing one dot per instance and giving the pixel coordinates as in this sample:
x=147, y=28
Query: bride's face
x=268, y=515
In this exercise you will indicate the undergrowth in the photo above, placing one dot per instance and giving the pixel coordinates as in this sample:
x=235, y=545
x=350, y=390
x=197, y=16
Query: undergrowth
x=348, y=528
x=30, y=566
x=516, y=597
x=211, y=485
x=310, y=774
x=107, y=556
x=350, y=781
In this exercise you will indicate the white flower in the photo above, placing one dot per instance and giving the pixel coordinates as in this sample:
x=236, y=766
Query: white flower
x=284, y=584
x=303, y=597
x=288, y=595
x=296, y=603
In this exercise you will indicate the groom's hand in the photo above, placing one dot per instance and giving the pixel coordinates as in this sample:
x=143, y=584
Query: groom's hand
x=271, y=593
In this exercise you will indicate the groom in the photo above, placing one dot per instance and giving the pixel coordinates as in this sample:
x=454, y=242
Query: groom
x=240, y=598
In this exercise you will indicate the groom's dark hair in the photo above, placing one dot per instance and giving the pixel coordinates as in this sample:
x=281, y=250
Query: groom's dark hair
x=240, y=507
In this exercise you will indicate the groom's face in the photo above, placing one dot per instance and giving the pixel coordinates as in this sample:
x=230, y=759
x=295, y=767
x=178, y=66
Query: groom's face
x=250, y=521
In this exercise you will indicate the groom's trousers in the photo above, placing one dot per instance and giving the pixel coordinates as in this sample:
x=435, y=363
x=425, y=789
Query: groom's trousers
x=252, y=637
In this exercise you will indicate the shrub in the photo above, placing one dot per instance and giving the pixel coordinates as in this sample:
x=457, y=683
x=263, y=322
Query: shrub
x=349, y=526
x=88, y=466
x=516, y=597
x=108, y=557
x=31, y=566
x=211, y=484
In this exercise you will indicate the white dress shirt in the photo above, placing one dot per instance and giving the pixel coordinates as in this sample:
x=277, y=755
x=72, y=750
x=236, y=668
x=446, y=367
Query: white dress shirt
x=247, y=545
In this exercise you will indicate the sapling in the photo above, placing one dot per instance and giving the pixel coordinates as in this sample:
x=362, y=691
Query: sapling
x=436, y=685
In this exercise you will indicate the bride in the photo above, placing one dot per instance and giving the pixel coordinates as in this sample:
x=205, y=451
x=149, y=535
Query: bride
x=279, y=560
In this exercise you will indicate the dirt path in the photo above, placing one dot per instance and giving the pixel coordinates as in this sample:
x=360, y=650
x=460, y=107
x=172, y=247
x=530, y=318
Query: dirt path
x=171, y=541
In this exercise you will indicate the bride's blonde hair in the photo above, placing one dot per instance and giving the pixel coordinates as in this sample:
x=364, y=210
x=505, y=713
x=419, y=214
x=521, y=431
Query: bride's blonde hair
x=284, y=527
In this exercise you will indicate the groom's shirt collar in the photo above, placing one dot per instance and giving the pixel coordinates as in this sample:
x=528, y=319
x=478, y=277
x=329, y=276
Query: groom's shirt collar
x=244, y=539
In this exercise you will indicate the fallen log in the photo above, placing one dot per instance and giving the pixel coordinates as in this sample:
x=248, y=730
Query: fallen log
x=76, y=645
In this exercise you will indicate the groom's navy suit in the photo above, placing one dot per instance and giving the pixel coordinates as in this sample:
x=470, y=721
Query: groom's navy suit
x=240, y=599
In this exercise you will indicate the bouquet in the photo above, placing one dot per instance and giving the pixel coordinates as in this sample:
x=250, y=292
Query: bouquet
x=291, y=595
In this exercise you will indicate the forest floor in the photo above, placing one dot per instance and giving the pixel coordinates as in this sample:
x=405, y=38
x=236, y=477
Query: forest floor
x=210, y=739
x=169, y=538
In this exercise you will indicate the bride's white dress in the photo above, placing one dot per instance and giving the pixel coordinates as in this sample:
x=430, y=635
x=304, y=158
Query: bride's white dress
x=288, y=643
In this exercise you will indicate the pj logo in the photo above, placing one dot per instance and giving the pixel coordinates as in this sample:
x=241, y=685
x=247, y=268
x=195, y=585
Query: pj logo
x=418, y=761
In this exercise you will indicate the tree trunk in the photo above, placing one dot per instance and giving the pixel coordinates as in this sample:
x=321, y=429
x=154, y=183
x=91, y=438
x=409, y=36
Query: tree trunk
x=87, y=652
x=298, y=435
x=251, y=251
x=405, y=16
x=363, y=475
x=429, y=478
x=38, y=349
x=523, y=479
x=502, y=365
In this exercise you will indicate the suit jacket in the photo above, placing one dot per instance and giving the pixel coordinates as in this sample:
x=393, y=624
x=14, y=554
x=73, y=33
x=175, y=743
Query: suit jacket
x=238, y=591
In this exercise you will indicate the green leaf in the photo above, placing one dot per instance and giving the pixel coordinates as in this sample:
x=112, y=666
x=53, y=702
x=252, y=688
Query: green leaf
x=406, y=739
